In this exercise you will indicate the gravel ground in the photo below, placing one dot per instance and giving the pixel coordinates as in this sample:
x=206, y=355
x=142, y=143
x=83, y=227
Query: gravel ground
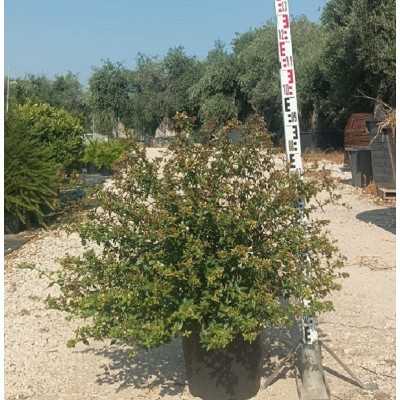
x=38, y=364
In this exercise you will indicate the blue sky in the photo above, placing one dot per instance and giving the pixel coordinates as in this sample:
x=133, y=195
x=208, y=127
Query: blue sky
x=54, y=36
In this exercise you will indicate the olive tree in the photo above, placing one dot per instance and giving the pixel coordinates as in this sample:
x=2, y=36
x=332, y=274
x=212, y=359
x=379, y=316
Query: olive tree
x=109, y=91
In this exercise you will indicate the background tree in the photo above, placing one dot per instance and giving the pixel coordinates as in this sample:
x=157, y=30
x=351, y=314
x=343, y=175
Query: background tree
x=68, y=93
x=34, y=88
x=109, y=91
x=258, y=64
x=64, y=91
x=181, y=73
x=146, y=100
x=160, y=88
x=217, y=92
x=359, y=55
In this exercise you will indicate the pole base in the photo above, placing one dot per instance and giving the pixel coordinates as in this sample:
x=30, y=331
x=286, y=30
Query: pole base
x=312, y=375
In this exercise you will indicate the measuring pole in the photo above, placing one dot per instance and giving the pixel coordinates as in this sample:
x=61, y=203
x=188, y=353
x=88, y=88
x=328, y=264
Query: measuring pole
x=314, y=387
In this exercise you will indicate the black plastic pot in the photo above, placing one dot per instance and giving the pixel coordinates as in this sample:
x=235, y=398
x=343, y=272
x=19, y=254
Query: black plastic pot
x=233, y=373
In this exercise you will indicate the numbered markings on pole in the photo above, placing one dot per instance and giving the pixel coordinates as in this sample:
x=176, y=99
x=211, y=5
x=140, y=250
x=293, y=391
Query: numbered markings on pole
x=285, y=54
x=288, y=82
x=291, y=121
x=310, y=334
x=288, y=87
x=282, y=7
x=290, y=112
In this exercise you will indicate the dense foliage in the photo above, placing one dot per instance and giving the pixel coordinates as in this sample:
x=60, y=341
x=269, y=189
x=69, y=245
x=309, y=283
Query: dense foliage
x=351, y=51
x=30, y=173
x=58, y=130
x=103, y=155
x=359, y=56
x=161, y=88
x=258, y=69
x=109, y=88
x=205, y=239
x=64, y=91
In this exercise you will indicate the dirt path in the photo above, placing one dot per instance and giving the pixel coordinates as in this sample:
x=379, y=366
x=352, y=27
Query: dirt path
x=361, y=330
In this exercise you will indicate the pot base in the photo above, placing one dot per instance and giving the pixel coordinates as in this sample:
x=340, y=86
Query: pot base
x=233, y=373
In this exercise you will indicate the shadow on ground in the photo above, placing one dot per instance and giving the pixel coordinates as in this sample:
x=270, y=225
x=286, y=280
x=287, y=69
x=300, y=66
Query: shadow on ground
x=385, y=218
x=163, y=369
x=278, y=344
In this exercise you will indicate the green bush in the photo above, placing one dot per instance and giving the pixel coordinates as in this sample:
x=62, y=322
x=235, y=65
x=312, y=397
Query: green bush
x=207, y=239
x=60, y=131
x=30, y=179
x=103, y=154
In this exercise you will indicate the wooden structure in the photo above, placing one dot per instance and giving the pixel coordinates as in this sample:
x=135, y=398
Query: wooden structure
x=383, y=151
x=388, y=195
x=356, y=132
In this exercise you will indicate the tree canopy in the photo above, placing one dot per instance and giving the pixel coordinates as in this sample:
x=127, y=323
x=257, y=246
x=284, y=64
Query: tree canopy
x=359, y=55
x=351, y=51
x=64, y=91
x=109, y=90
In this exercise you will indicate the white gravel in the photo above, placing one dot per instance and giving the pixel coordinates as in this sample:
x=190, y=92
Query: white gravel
x=38, y=364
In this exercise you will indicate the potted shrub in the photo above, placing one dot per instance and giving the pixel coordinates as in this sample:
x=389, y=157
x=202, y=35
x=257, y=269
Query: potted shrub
x=202, y=244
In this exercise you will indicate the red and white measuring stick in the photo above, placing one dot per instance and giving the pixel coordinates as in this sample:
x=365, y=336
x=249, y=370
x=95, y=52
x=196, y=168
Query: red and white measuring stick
x=291, y=121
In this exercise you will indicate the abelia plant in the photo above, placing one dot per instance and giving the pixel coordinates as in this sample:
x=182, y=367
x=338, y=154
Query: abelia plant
x=207, y=239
